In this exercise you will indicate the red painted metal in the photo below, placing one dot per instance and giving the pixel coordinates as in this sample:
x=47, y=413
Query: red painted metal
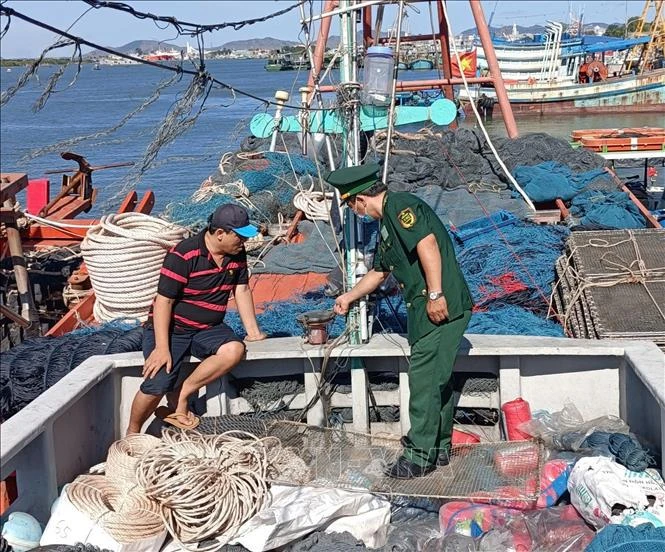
x=493, y=64
x=146, y=204
x=445, y=51
x=368, y=40
x=37, y=194
x=320, y=48
x=82, y=311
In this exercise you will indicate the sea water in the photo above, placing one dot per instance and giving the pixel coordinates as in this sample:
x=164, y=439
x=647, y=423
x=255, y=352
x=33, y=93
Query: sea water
x=99, y=100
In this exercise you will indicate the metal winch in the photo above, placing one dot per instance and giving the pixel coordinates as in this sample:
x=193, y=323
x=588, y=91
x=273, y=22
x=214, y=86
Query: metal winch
x=315, y=324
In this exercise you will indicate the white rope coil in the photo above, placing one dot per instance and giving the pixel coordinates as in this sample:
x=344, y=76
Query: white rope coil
x=124, y=254
x=125, y=514
x=206, y=485
x=315, y=204
x=124, y=455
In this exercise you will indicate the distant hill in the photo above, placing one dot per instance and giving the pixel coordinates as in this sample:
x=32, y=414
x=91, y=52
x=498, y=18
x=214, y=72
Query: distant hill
x=266, y=43
x=143, y=45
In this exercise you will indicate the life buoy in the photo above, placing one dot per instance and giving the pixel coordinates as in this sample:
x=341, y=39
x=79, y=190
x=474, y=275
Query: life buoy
x=531, y=81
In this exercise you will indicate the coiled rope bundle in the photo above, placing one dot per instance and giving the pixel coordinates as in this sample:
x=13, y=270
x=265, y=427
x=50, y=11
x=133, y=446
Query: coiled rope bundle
x=125, y=514
x=206, y=485
x=124, y=455
x=124, y=255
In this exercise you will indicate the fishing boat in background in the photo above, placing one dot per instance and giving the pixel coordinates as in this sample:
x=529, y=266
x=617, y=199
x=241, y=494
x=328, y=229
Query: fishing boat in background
x=421, y=64
x=558, y=73
x=279, y=63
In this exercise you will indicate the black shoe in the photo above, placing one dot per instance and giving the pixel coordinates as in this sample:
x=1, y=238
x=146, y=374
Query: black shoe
x=443, y=459
x=405, y=469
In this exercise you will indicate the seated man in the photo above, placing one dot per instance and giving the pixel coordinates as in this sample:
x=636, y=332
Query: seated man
x=187, y=317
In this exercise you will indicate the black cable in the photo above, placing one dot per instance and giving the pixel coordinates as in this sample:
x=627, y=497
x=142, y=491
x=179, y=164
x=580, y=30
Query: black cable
x=9, y=12
x=181, y=26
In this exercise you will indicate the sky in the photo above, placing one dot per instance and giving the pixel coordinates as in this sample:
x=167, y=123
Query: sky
x=111, y=28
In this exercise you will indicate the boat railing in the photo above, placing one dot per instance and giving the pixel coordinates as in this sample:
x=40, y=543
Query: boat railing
x=70, y=426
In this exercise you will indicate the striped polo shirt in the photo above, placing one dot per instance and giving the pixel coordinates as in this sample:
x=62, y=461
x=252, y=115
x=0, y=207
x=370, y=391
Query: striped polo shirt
x=201, y=289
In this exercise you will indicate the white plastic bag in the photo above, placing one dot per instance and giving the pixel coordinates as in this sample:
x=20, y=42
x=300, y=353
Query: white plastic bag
x=597, y=485
x=296, y=511
x=68, y=525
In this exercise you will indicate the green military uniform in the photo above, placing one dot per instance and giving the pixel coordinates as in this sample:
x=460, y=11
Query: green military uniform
x=406, y=221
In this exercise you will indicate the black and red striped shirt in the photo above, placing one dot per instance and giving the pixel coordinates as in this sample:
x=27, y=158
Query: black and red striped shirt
x=201, y=289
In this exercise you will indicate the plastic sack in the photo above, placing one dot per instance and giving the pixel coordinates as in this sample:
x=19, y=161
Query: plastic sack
x=472, y=520
x=600, y=488
x=293, y=512
x=423, y=535
x=566, y=429
x=68, y=525
x=558, y=529
x=553, y=484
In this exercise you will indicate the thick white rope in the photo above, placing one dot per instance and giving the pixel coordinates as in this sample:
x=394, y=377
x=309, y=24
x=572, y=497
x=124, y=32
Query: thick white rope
x=124, y=255
x=206, y=485
x=314, y=203
x=54, y=223
x=125, y=514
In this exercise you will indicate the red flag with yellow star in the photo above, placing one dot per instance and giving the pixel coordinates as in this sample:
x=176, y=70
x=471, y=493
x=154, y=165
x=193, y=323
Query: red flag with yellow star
x=469, y=64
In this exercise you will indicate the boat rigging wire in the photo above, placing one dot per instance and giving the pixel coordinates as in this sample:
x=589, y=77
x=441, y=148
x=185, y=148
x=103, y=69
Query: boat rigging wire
x=391, y=110
x=7, y=12
x=66, y=145
x=478, y=118
x=186, y=27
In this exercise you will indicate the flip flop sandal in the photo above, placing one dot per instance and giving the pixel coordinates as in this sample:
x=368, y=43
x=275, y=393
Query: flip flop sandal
x=181, y=421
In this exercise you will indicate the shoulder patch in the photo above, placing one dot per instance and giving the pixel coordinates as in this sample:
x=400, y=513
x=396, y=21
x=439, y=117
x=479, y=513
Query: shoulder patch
x=407, y=218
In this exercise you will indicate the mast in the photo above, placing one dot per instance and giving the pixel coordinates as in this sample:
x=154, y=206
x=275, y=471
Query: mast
x=349, y=99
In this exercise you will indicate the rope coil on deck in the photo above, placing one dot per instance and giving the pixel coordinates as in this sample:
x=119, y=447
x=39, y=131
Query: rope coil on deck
x=124, y=255
x=206, y=485
x=124, y=455
x=125, y=514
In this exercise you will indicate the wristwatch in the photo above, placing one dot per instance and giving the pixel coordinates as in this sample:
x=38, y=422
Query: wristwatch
x=434, y=295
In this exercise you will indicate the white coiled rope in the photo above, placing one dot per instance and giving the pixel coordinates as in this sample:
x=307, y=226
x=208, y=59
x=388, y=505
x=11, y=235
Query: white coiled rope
x=125, y=514
x=315, y=204
x=124, y=255
x=206, y=485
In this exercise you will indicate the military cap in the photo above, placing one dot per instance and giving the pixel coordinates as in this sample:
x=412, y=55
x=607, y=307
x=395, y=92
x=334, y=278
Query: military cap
x=353, y=180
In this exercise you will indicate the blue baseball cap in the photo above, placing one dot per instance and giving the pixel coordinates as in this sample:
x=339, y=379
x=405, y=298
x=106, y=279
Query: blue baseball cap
x=233, y=217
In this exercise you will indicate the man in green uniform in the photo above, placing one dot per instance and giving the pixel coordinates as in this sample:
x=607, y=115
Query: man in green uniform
x=415, y=246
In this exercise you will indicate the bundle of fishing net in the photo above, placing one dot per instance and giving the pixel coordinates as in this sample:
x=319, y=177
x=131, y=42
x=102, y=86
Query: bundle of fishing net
x=206, y=485
x=512, y=261
x=462, y=158
x=124, y=255
x=30, y=368
x=265, y=183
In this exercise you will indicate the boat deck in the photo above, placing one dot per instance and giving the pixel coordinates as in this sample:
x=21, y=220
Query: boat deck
x=71, y=425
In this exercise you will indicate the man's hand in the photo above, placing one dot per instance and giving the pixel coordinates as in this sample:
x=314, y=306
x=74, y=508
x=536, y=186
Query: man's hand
x=260, y=336
x=437, y=310
x=154, y=363
x=342, y=304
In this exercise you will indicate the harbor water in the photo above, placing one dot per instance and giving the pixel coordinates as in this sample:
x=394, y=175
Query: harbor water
x=100, y=99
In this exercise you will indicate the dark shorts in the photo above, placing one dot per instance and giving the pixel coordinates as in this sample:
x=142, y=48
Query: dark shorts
x=201, y=344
